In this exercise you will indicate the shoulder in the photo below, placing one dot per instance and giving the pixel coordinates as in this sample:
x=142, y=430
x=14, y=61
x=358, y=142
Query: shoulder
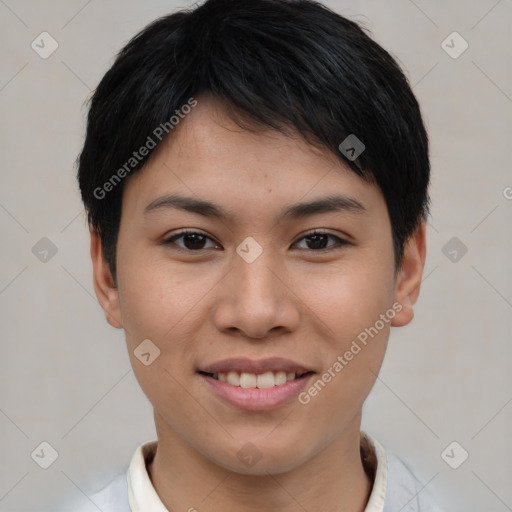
x=405, y=492
x=112, y=497
x=129, y=485
x=395, y=486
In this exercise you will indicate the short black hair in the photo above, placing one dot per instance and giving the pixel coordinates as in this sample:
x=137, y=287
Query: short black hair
x=291, y=65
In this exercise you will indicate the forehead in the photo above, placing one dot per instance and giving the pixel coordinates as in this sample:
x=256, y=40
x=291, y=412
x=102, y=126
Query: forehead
x=208, y=155
x=210, y=135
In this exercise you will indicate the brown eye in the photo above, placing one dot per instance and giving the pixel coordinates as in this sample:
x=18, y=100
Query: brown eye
x=192, y=240
x=195, y=241
x=318, y=241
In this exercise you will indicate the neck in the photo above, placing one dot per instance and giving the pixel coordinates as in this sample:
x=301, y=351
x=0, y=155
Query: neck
x=334, y=480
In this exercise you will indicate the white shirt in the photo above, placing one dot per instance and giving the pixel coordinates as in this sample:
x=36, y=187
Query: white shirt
x=395, y=487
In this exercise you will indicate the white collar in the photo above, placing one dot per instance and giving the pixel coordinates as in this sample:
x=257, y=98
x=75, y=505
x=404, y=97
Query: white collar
x=142, y=495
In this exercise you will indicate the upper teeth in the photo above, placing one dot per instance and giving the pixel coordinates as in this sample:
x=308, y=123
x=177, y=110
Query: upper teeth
x=251, y=380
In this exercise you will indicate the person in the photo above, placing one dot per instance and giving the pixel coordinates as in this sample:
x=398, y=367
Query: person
x=255, y=175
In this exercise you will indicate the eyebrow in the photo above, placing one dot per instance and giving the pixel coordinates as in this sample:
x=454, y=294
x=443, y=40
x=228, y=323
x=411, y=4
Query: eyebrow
x=333, y=203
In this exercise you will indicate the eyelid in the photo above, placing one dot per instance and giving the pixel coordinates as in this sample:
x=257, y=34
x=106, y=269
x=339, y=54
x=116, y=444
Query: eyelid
x=168, y=240
x=341, y=241
x=319, y=231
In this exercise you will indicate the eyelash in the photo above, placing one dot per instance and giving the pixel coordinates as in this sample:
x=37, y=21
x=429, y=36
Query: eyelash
x=170, y=241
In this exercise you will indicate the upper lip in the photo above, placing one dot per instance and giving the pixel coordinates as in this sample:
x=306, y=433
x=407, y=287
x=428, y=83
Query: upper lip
x=246, y=365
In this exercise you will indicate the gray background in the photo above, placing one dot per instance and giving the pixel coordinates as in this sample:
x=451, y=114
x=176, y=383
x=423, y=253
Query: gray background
x=65, y=376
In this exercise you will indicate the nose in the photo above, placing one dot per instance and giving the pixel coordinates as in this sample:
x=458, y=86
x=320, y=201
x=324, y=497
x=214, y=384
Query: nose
x=256, y=299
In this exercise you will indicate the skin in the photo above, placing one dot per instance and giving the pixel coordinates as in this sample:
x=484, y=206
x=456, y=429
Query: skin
x=293, y=301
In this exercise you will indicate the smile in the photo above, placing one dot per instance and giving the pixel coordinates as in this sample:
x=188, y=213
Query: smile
x=255, y=385
x=247, y=380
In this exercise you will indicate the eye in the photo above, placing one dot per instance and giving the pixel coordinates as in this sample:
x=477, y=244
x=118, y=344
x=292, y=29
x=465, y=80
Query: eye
x=193, y=240
x=317, y=241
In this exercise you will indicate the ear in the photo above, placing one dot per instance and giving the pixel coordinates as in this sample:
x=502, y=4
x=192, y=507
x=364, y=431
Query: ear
x=106, y=291
x=408, y=280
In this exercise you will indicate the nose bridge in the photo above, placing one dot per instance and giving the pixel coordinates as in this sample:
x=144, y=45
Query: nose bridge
x=256, y=300
x=255, y=282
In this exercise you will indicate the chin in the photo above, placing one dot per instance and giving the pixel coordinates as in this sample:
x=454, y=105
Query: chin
x=261, y=458
x=263, y=467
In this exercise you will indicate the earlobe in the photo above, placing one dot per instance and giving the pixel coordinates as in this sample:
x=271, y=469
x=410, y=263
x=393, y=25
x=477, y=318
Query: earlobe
x=408, y=281
x=106, y=292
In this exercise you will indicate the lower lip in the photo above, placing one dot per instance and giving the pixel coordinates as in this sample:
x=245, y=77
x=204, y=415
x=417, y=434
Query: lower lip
x=255, y=399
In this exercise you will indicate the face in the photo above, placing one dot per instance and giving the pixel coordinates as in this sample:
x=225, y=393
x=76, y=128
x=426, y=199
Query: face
x=295, y=300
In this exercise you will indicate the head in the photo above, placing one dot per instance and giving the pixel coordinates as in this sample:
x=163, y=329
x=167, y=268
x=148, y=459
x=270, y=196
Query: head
x=244, y=108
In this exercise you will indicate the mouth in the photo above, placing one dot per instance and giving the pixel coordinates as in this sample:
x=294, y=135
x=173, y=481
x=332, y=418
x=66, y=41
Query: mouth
x=265, y=380
x=255, y=385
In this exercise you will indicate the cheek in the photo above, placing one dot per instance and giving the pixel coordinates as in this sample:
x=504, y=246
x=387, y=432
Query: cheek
x=162, y=303
x=350, y=303
x=153, y=296
x=350, y=298
x=157, y=306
